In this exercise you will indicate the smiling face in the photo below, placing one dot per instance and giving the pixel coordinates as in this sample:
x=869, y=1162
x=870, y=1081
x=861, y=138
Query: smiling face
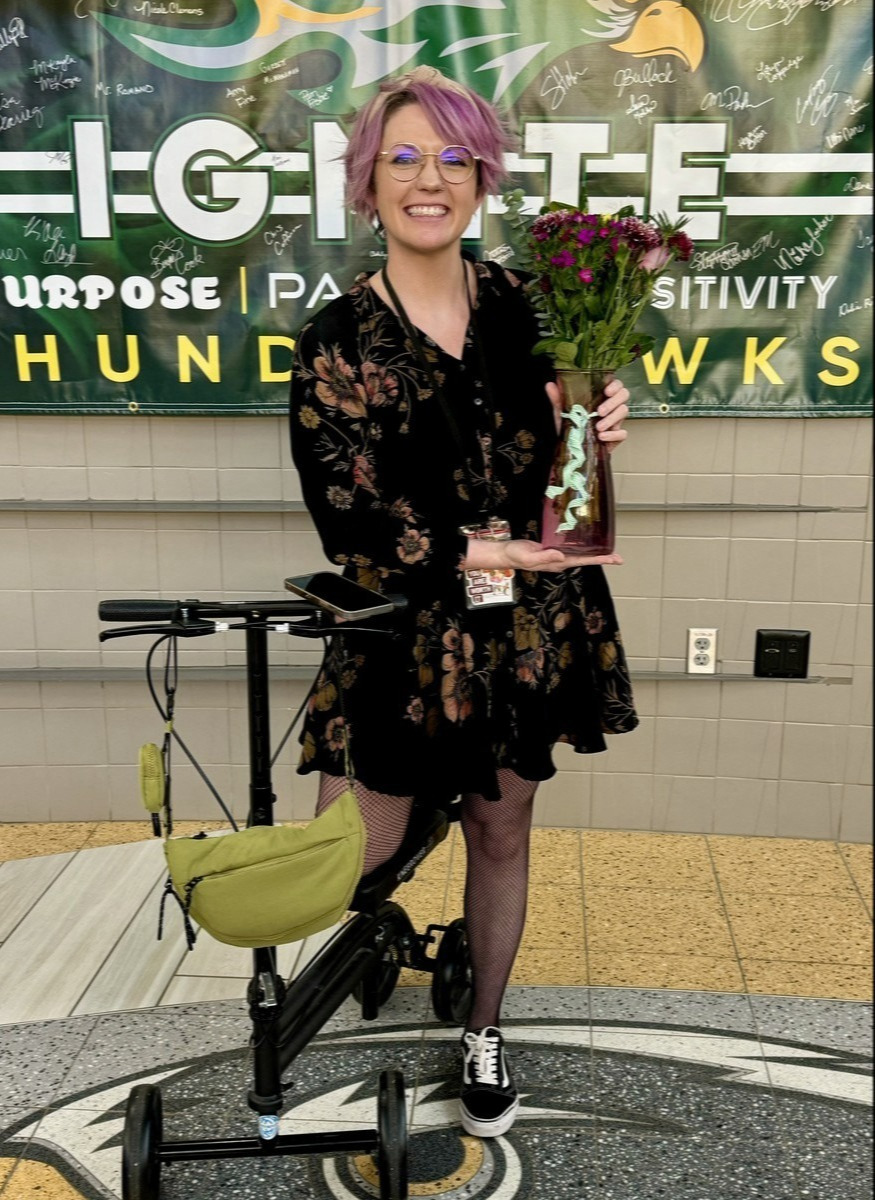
x=426, y=215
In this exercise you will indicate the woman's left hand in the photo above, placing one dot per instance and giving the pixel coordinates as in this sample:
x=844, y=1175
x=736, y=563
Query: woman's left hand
x=613, y=411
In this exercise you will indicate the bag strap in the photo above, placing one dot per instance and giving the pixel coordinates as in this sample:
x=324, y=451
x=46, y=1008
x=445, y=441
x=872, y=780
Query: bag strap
x=347, y=761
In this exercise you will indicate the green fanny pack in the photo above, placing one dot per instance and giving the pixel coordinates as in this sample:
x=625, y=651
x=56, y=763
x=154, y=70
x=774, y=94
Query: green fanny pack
x=270, y=884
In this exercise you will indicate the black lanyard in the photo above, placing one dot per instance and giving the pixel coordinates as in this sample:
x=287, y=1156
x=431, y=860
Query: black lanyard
x=438, y=391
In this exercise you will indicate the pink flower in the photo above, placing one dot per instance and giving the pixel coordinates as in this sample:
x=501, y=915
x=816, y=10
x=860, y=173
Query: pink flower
x=655, y=258
x=585, y=236
x=585, y=274
x=563, y=259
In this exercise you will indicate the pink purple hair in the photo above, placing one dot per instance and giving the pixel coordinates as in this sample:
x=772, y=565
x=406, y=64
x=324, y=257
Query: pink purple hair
x=456, y=112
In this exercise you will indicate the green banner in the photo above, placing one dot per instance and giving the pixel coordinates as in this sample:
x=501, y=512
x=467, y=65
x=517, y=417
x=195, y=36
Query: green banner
x=171, y=199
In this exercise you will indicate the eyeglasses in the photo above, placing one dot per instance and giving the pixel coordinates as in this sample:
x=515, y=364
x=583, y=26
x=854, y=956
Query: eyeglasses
x=454, y=163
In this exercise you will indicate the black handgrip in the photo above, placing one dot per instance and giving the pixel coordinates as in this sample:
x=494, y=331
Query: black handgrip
x=138, y=610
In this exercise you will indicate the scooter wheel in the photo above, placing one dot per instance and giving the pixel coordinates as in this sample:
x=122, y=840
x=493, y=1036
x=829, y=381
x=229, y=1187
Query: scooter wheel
x=392, y=1135
x=452, y=988
x=141, y=1139
x=383, y=981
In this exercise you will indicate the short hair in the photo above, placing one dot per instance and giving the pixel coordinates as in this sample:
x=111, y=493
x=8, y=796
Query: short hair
x=457, y=113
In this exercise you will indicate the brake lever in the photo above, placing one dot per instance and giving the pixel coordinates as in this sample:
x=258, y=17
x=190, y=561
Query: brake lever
x=317, y=629
x=171, y=627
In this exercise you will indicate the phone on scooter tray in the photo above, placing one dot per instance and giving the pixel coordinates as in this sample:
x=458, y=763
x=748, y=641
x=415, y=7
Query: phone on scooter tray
x=340, y=596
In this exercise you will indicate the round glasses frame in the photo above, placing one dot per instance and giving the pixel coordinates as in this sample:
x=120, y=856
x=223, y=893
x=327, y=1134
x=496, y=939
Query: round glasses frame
x=404, y=173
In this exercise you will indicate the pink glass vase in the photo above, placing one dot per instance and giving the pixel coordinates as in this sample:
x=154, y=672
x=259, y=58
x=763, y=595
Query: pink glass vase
x=579, y=504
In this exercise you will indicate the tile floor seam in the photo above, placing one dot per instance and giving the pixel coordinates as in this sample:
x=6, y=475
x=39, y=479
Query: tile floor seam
x=853, y=879
x=45, y=890
x=786, y=1148
x=108, y=954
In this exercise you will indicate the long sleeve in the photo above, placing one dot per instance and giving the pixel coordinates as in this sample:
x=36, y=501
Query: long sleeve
x=349, y=417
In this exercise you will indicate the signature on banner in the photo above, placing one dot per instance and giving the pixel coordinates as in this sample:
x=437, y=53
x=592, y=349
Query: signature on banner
x=169, y=255
x=558, y=83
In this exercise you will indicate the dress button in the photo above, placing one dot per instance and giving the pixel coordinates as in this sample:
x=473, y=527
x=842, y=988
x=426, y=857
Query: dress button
x=478, y=400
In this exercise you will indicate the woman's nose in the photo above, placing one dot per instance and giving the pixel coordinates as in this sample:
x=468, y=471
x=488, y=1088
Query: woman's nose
x=430, y=176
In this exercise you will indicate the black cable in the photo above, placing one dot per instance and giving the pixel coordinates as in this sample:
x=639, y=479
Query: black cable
x=295, y=719
x=165, y=715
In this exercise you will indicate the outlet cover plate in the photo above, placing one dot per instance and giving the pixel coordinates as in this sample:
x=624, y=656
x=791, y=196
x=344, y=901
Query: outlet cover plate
x=702, y=651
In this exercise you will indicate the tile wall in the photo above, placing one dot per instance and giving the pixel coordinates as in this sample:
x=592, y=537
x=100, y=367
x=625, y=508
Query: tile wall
x=723, y=755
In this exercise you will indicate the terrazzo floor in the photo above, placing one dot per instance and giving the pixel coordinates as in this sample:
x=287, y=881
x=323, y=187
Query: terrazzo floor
x=689, y=1017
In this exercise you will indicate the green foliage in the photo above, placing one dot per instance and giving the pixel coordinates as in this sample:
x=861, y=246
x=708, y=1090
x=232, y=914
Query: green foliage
x=593, y=277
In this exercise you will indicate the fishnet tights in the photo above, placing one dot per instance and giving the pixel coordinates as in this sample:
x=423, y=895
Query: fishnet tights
x=385, y=816
x=497, y=841
x=496, y=886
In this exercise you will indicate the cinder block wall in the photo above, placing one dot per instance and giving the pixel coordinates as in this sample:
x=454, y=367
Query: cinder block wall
x=733, y=523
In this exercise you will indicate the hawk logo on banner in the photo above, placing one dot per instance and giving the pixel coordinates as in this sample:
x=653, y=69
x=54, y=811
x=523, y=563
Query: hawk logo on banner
x=365, y=44
x=665, y=27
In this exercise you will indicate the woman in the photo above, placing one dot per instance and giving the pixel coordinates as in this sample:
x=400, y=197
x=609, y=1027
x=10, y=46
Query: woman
x=417, y=414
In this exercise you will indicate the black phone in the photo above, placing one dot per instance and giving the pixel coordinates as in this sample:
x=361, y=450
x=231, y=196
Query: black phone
x=340, y=596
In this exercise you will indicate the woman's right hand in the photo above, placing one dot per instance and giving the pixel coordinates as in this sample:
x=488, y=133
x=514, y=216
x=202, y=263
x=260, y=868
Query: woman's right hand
x=523, y=555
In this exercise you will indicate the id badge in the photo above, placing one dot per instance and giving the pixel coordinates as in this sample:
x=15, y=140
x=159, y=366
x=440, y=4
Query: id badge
x=486, y=588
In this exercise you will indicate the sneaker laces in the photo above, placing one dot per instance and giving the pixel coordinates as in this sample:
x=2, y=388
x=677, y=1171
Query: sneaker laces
x=482, y=1051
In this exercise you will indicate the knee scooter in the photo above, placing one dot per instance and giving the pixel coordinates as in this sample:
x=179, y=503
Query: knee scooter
x=363, y=959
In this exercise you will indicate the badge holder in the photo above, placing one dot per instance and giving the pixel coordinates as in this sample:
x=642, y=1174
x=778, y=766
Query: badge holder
x=486, y=587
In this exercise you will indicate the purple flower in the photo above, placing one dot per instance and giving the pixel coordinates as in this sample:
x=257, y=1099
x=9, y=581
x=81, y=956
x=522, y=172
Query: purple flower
x=585, y=236
x=682, y=245
x=585, y=274
x=563, y=259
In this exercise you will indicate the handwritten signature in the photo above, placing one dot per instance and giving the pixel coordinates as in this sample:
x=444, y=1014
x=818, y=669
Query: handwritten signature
x=83, y=8
x=12, y=253
x=53, y=237
x=648, y=74
x=856, y=185
x=12, y=33
x=757, y=14
x=846, y=134
x=780, y=69
x=732, y=255
x=316, y=97
x=732, y=98
x=500, y=254
x=169, y=255
x=821, y=100
x=641, y=107
x=279, y=237
x=558, y=83
x=845, y=310
x=19, y=114
x=793, y=256
x=751, y=140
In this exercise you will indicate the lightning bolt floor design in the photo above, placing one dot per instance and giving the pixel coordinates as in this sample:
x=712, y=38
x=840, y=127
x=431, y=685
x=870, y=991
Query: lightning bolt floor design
x=705, y=1031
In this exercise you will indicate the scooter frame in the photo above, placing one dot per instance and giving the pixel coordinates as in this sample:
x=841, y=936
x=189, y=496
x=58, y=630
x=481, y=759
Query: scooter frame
x=363, y=958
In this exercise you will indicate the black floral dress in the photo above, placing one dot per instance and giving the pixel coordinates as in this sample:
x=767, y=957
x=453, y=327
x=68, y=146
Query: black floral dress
x=435, y=711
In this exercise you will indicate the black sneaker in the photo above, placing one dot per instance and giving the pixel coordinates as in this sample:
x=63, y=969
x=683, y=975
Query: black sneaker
x=489, y=1099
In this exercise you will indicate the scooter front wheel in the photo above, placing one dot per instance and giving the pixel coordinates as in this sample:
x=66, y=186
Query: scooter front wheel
x=141, y=1140
x=392, y=1134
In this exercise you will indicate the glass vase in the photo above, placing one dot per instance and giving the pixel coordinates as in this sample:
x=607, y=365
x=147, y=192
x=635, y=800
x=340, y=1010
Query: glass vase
x=579, y=503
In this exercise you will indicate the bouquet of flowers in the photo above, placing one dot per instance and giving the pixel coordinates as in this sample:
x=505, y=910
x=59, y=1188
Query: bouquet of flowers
x=593, y=277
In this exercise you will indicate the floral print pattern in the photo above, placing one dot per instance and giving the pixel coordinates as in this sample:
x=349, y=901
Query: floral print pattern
x=458, y=694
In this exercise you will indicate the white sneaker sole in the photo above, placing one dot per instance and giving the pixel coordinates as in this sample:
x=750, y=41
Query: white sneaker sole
x=494, y=1128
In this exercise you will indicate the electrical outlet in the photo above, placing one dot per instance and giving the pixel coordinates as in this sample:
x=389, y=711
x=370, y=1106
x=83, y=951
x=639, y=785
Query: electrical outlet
x=701, y=651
